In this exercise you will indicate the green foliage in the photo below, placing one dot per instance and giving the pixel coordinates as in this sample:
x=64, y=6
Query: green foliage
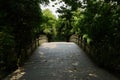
x=100, y=24
x=65, y=22
x=97, y=22
x=7, y=45
x=20, y=22
x=49, y=24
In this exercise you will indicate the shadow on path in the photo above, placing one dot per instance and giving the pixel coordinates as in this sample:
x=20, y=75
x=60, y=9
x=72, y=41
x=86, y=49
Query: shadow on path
x=60, y=61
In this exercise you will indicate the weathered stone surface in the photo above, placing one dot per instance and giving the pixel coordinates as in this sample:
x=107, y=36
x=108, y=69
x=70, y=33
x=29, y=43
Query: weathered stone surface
x=60, y=61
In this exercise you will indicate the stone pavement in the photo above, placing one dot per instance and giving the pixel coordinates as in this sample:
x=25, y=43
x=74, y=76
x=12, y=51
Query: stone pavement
x=60, y=61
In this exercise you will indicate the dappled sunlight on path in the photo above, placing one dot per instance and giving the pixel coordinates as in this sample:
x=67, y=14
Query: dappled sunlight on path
x=60, y=61
x=54, y=44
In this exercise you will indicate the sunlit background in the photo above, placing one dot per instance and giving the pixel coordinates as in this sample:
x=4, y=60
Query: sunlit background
x=52, y=6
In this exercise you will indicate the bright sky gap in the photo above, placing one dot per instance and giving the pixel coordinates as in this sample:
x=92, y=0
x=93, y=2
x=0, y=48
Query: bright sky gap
x=52, y=8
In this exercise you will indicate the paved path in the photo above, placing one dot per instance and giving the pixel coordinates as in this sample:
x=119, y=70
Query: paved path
x=60, y=61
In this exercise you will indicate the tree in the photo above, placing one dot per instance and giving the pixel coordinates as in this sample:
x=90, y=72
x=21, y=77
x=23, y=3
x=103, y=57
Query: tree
x=98, y=24
x=19, y=23
x=49, y=24
x=66, y=14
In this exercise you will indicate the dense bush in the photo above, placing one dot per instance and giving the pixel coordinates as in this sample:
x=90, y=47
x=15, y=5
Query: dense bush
x=97, y=23
x=19, y=27
x=101, y=24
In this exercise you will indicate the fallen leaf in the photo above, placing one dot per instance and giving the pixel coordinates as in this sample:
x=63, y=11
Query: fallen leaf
x=70, y=71
x=93, y=75
x=23, y=73
x=41, y=53
x=75, y=64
